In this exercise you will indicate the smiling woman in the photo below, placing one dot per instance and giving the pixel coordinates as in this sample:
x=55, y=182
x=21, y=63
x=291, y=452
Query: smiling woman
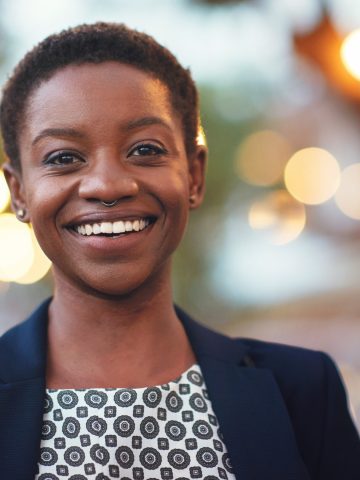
x=90, y=132
x=108, y=379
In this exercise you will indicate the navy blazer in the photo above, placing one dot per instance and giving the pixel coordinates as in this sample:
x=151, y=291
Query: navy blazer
x=282, y=410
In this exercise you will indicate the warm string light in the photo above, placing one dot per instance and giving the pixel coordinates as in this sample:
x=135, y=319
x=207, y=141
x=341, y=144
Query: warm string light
x=16, y=248
x=40, y=265
x=349, y=53
x=261, y=157
x=312, y=175
x=347, y=197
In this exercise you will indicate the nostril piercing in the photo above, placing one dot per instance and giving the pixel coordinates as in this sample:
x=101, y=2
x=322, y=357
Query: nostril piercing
x=110, y=204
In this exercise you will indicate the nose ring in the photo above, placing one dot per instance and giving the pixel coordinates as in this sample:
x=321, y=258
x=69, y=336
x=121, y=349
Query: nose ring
x=110, y=204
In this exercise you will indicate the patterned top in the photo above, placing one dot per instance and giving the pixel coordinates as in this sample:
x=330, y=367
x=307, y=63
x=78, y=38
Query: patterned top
x=164, y=432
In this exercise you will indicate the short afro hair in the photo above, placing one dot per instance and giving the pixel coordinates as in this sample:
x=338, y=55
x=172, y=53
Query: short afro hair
x=96, y=43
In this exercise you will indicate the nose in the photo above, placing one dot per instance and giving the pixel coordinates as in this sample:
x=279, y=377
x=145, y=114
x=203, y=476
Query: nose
x=107, y=179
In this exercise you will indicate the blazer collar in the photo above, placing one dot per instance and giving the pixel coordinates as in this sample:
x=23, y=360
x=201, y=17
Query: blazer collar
x=247, y=402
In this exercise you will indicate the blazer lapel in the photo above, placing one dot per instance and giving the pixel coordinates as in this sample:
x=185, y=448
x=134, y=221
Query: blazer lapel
x=248, y=404
x=22, y=391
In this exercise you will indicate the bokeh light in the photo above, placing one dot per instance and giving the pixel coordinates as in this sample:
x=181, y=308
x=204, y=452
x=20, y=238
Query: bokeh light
x=16, y=248
x=312, y=175
x=280, y=215
x=349, y=52
x=261, y=158
x=347, y=197
x=40, y=265
x=22, y=260
x=4, y=193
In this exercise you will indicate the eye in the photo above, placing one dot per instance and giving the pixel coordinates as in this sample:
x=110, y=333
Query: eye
x=62, y=159
x=147, y=149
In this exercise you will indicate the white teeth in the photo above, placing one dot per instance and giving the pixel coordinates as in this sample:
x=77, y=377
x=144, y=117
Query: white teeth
x=136, y=225
x=119, y=227
x=106, y=227
x=96, y=229
x=113, y=227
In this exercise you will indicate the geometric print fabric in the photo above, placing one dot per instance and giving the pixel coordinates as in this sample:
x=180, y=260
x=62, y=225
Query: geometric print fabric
x=165, y=432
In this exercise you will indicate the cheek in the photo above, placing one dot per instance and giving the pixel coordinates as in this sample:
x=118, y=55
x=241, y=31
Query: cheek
x=175, y=198
x=44, y=195
x=42, y=205
x=176, y=209
x=44, y=201
x=172, y=187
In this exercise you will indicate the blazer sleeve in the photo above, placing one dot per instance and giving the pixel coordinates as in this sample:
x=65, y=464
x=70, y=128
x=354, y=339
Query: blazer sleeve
x=340, y=450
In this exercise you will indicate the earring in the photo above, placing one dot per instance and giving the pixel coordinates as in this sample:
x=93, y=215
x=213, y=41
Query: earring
x=20, y=213
x=192, y=199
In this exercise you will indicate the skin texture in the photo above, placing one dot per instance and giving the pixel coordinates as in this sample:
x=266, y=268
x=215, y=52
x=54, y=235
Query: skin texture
x=97, y=133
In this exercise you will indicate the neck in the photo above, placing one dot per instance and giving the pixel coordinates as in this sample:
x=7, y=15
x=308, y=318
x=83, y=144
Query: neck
x=115, y=341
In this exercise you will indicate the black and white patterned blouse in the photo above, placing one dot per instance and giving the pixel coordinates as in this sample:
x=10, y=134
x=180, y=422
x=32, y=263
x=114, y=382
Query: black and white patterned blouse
x=165, y=432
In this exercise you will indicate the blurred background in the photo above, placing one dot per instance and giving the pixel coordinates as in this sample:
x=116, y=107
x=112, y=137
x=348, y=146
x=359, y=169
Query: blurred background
x=274, y=253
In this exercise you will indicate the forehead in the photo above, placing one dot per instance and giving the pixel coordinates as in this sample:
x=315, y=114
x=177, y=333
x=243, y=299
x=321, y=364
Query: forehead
x=98, y=92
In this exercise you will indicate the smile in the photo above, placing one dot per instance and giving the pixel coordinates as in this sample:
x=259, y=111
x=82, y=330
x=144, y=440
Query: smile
x=113, y=228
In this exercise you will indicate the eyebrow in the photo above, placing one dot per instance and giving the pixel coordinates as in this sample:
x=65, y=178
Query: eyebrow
x=58, y=132
x=73, y=133
x=143, y=122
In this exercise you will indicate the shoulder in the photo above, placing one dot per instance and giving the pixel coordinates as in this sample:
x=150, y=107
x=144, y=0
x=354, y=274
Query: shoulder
x=317, y=404
x=306, y=378
x=293, y=367
x=300, y=373
x=312, y=392
x=23, y=347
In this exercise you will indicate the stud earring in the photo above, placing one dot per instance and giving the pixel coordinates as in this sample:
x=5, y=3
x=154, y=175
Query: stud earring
x=20, y=213
x=192, y=199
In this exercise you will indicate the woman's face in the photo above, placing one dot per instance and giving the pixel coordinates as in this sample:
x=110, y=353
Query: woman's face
x=97, y=133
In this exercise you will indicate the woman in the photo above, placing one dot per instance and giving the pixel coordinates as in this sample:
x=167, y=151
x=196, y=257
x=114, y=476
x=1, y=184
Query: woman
x=107, y=379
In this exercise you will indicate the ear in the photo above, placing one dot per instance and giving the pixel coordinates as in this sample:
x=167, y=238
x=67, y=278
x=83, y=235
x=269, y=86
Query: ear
x=18, y=203
x=197, y=171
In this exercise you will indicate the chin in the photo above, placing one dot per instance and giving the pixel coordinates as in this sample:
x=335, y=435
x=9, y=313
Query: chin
x=120, y=285
x=116, y=291
x=121, y=282
x=104, y=288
